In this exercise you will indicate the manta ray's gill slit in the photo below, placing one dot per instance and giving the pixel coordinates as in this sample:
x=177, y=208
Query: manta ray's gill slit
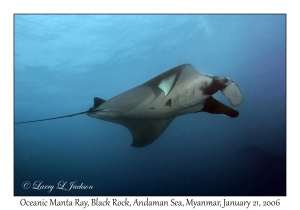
x=200, y=85
x=195, y=90
x=187, y=96
x=191, y=94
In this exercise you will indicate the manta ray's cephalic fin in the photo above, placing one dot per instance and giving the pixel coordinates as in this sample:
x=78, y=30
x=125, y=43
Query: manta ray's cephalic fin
x=228, y=87
x=214, y=106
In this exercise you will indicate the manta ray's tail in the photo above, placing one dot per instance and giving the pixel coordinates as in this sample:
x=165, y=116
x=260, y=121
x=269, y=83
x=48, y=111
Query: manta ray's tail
x=97, y=102
x=71, y=115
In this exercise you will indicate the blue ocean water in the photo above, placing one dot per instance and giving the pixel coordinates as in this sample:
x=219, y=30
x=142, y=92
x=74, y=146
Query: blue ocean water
x=61, y=62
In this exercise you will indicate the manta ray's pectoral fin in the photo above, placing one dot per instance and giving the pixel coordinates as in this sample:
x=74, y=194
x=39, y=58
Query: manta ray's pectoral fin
x=214, y=106
x=144, y=132
x=97, y=102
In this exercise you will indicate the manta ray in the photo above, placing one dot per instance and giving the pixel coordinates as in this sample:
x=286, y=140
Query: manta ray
x=148, y=109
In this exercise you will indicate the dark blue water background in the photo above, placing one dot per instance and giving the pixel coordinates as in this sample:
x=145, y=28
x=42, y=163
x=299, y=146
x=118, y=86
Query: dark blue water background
x=63, y=61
